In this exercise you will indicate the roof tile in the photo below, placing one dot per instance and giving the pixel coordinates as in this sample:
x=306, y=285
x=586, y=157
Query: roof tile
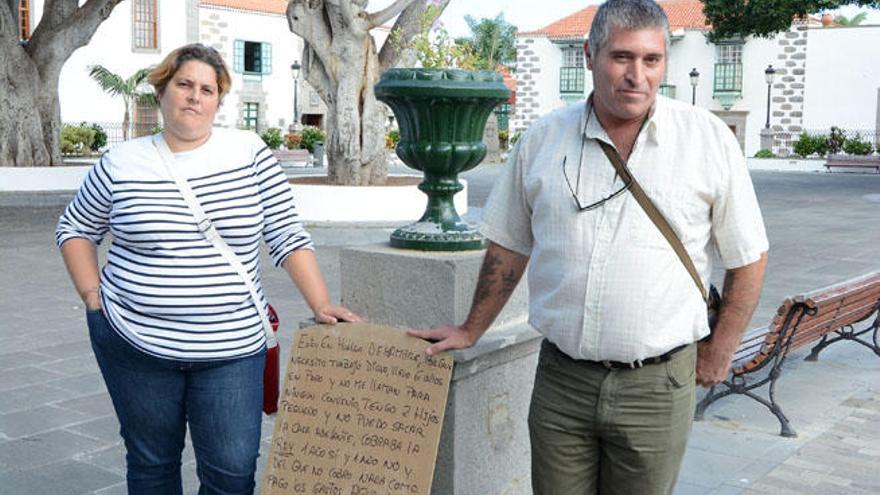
x=682, y=14
x=267, y=6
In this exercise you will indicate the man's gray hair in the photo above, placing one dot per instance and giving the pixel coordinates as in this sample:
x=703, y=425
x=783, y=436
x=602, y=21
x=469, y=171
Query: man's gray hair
x=630, y=15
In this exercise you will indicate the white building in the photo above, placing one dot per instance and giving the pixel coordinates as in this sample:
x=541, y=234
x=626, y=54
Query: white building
x=824, y=76
x=252, y=35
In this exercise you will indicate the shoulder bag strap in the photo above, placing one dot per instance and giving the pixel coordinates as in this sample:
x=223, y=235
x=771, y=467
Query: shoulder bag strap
x=210, y=232
x=654, y=214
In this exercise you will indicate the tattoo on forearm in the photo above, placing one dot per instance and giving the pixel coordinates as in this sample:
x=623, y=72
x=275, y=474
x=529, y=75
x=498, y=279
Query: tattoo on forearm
x=508, y=282
x=488, y=274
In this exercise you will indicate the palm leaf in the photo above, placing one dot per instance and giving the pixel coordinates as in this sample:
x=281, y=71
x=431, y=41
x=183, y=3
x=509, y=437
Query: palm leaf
x=150, y=99
x=108, y=81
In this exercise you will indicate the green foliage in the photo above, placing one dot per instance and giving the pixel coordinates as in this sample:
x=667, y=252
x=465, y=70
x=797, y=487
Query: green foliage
x=272, y=138
x=764, y=18
x=100, y=139
x=765, y=154
x=76, y=140
x=392, y=138
x=310, y=136
x=836, y=140
x=131, y=89
x=492, y=41
x=808, y=145
x=855, y=146
x=853, y=21
x=432, y=45
x=156, y=129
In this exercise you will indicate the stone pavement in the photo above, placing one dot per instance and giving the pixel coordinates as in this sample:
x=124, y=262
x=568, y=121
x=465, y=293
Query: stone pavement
x=58, y=434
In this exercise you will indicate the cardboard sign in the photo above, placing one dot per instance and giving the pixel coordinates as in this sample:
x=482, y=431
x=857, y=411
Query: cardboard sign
x=360, y=413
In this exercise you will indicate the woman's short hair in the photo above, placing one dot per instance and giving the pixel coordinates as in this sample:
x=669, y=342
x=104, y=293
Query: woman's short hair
x=162, y=73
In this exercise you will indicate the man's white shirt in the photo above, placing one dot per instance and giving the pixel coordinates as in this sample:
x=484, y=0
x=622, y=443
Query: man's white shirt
x=605, y=284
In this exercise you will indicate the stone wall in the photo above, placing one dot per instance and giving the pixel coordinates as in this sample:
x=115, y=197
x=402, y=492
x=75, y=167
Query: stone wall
x=787, y=97
x=527, y=65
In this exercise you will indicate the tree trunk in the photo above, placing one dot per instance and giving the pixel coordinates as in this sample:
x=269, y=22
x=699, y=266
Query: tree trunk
x=30, y=112
x=356, y=121
x=341, y=64
x=126, y=121
x=21, y=122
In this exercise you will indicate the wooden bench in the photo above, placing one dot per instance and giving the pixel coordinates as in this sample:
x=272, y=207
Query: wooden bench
x=293, y=158
x=825, y=315
x=853, y=161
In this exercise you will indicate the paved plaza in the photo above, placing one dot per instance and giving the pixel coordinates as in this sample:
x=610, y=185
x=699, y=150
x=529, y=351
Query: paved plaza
x=58, y=433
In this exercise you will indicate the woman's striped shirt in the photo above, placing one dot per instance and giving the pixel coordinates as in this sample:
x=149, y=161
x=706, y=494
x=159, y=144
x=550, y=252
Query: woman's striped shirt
x=164, y=287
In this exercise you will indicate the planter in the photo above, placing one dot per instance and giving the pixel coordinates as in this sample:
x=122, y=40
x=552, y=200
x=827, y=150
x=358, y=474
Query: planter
x=442, y=114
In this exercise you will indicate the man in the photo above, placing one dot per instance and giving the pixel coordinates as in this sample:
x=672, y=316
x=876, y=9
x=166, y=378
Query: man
x=614, y=390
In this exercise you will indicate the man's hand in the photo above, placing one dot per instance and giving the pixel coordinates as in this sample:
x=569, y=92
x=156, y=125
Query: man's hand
x=742, y=287
x=446, y=337
x=713, y=363
x=332, y=314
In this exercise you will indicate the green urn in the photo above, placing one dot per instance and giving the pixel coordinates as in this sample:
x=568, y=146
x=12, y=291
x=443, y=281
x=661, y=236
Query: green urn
x=442, y=114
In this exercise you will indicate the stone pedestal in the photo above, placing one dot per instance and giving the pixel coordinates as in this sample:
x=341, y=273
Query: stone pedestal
x=766, y=139
x=484, y=447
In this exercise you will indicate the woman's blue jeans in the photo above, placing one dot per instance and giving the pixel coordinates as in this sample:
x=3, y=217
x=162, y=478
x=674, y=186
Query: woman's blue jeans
x=154, y=400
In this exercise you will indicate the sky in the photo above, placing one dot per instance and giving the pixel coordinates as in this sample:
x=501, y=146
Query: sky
x=528, y=15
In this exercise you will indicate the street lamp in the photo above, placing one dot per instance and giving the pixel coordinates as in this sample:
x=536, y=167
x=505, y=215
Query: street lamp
x=294, y=69
x=695, y=78
x=769, y=75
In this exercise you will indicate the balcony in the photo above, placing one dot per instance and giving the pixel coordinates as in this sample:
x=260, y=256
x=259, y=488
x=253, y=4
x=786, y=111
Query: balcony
x=571, y=80
x=728, y=84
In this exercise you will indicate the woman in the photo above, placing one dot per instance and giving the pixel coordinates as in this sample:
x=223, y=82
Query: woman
x=175, y=331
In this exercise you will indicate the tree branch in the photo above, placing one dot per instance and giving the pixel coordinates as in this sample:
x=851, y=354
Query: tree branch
x=9, y=18
x=64, y=28
x=376, y=19
x=315, y=73
x=307, y=19
x=408, y=25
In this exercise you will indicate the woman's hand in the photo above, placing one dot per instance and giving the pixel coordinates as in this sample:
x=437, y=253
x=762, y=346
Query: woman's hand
x=332, y=314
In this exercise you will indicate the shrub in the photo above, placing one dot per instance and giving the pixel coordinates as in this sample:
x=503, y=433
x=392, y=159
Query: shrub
x=765, y=154
x=855, y=146
x=310, y=136
x=156, y=130
x=807, y=145
x=100, y=136
x=293, y=141
x=76, y=140
x=392, y=138
x=836, y=140
x=272, y=138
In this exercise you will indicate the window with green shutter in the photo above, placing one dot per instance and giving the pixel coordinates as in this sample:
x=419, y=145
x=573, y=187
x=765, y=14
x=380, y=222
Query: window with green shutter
x=252, y=57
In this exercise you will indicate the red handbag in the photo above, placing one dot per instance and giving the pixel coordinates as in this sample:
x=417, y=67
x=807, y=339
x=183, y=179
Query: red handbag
x=272, y=371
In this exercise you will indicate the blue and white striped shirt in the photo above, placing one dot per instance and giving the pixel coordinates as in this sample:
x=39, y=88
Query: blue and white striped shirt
x=165, y=288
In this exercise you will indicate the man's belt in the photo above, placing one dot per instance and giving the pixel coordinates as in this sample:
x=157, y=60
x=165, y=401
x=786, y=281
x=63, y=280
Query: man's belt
x=624, y=365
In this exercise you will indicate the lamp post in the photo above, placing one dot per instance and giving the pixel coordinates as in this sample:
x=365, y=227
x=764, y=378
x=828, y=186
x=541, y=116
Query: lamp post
x=294, y=69
x=769, y=75
x=695, y=78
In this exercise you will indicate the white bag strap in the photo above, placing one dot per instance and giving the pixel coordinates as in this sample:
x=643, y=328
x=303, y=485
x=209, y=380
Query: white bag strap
x=207, y=229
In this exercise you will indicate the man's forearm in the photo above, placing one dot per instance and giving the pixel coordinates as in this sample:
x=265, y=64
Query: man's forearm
x=501, y=271
x=742, y=289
